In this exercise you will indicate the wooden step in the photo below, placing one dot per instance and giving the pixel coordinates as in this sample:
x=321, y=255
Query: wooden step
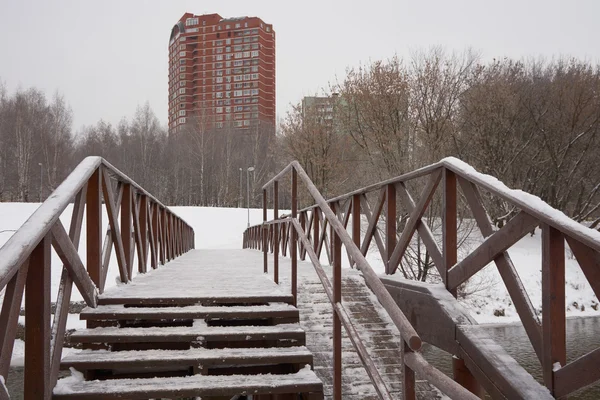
x=304, y=381
x=120, y=312
x=99, y=359
x=198, y=332
x=197, y=300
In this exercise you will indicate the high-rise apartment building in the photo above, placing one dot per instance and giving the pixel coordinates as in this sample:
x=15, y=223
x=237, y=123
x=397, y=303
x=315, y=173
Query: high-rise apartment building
x=221, y=72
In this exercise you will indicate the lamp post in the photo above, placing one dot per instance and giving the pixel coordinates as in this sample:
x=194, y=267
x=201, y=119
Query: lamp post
x=241, y=197
x=250, y=169
x=41, y=180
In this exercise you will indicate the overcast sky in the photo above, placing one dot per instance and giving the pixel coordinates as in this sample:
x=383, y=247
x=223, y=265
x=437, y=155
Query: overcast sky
x=109, y=56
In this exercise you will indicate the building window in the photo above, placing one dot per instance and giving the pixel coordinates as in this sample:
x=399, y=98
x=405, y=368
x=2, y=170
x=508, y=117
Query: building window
x=254, y=92
x=219, y=124
x=227, y=26
x=182, y=91
x=182, y=113
x=237, y=124
x=255, y=53
x=247, y=122
x=181, y=69
x=237, y=25
x=182, y=120
x=191, y=21
x=219, y=110
x=237, y=93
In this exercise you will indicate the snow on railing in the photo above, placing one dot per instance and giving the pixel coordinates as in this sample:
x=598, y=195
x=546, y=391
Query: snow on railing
x=147, y=228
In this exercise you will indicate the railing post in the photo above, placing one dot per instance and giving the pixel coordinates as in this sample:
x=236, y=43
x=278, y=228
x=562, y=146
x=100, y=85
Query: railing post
x=333, y=207
x=143, y=214
x=93, y=218
x=126, y=227
x=316, y=229
x=37, y=323
x=302, y=217
x=276, y=232
x=294, y=244
x=408, y=376
x=553, y=303
x=337, y=323
x=461, y=373
x=355, y=222
x=264, y=235
x=390, y=224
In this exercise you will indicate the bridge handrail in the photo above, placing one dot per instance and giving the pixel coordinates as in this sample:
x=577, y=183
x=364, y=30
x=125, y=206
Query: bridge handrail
x=547, y=335
x=146, y=225
x=412, y=341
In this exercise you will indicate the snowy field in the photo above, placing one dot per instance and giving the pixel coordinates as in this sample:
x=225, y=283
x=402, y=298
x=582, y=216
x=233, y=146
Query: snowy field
x=222, y=228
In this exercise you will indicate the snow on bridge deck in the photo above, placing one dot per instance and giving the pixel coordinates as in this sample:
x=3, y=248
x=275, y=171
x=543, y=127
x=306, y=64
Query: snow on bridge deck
x=210, y=276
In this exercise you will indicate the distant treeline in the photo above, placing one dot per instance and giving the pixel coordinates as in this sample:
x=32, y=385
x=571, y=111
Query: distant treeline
x=533, y=124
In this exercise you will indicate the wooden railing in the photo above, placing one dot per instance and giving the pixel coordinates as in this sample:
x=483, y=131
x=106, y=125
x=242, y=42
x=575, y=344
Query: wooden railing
x=267, y=236
x=548, y=336
x=146, y=229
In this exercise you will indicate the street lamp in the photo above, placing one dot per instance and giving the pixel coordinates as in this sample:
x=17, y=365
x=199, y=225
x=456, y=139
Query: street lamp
x=241, y=199
x=41, y=180
x=250, y=169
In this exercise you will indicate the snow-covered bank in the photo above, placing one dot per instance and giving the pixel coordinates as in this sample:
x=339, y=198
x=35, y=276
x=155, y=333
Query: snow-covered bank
x=222, y=228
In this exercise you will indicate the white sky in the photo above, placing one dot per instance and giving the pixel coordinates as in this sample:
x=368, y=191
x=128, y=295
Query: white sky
x=108, y=56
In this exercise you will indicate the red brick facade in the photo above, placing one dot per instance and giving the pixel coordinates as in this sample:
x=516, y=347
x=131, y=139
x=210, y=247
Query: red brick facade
x=221, y=72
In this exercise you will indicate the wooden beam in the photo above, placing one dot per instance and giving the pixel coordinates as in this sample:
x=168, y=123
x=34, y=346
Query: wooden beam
x=413, y=222
x=554, y=348
x=115, y=232
x=491, y=248
x=108, y=243
x=424, y=231
x=93, y=216
x=507, y=270
x=9, y=316
x=372, y=231
x=577, y=374
x=65, y=288
x=37, y=323
x=355, y=222
x=589, y=261
x=70, y=258
x=449, y=224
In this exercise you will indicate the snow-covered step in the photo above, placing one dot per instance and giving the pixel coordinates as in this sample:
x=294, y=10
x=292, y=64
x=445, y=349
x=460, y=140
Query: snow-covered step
x=102, y=359
x=225, y=297
x=304, y=381
x=120, y=312
x=198, y=332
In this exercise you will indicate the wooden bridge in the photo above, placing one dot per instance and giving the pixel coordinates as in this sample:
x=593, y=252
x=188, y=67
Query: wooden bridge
x=230, y=324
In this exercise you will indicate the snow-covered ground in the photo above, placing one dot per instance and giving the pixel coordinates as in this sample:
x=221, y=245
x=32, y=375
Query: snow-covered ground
x=222, y=228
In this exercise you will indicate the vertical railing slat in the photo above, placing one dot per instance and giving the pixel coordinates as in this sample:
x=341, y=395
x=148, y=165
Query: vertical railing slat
x=37, y=323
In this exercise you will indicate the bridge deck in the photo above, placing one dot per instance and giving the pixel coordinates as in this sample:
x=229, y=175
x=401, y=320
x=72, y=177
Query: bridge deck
x=208, y=324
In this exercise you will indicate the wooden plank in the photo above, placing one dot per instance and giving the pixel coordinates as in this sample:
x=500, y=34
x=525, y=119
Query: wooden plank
x=108, y=243
x=424, y=231
x=554, y=348
x=446, y=385
x=408, y=374
x=449, y=225
x=226, y=298
x=9, y=316
x=126, y=230
x=577, y=374
x=507, y=270
x=355, y=223
x=64, y=291
x=337, y=324
x=93, y=216
x=413, y=222
x=140, y=245
x=188, y=334
x=223, y=386
x=276, y=232
x=491, y=248
x=70, y=258
x=115, y=232
x=120, y=312
x=499, y=369
x=153, y=234
x=294, y=242
x=372, y=230
x=37, y=323
x=589, y=261
x=86, y=360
